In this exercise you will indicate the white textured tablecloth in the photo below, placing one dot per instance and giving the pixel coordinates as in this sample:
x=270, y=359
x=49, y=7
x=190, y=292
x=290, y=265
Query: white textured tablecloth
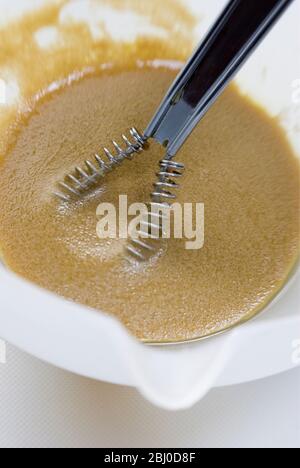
x=41, y=406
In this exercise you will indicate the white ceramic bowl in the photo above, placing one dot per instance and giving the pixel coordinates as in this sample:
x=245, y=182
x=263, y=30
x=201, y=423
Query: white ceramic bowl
x=95, y=345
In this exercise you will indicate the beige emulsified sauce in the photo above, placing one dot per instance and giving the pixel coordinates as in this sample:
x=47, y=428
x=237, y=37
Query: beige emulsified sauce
x=238, y=163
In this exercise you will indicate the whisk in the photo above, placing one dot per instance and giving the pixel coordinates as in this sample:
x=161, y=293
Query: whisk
x=234, y=36
x=83, y=178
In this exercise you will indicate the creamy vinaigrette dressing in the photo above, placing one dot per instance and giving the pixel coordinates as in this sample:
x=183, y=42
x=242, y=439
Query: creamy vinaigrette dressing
x=238, y=163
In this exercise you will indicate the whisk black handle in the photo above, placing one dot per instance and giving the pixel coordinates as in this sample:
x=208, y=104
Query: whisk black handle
x=234, y=36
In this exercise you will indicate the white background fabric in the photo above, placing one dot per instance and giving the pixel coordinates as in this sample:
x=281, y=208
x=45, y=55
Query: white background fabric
x=41, y=406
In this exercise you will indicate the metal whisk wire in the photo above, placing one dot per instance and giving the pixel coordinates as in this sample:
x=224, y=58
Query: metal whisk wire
x=151, y=230
x=84, y=178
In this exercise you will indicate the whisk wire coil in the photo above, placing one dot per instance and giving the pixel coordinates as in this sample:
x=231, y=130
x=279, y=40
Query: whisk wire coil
x=81, y=179
x=152, y=226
